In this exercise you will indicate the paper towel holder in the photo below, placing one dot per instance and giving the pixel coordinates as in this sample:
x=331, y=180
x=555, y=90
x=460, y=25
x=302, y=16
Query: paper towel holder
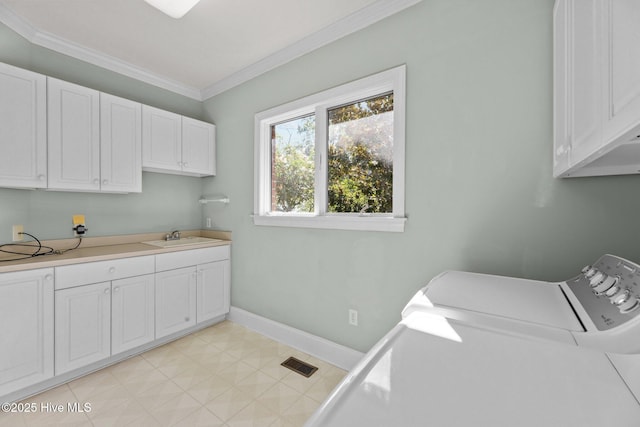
x=213, y=199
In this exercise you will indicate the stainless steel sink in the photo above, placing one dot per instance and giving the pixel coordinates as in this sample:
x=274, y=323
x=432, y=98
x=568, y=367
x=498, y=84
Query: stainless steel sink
x=181, y=242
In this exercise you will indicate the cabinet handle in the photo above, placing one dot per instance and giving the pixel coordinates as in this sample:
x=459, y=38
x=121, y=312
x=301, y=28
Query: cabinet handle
x=112, y=270
x=96, y=181
x=105, y=181
x=186, y=319
x=106, y=291
x=185, y=164
x=40, y=177
x=116, y=289
x=48, y=277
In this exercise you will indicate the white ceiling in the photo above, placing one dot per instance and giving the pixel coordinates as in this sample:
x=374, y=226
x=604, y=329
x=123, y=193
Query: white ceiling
x=217, y=45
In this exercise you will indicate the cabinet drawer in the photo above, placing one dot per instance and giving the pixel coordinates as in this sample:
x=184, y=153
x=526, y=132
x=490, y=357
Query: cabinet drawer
x=102, y=271
x=181, y=259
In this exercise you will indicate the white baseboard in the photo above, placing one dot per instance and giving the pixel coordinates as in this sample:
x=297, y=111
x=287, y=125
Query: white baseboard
x=336, y=354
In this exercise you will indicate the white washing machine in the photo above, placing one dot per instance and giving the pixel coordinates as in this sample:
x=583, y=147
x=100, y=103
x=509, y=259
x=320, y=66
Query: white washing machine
x=487, y=351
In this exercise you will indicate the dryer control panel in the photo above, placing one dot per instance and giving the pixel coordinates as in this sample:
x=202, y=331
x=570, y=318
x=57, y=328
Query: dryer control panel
x=609, y=291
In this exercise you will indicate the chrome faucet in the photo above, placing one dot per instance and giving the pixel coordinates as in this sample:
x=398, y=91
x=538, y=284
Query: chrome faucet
x=175, y=235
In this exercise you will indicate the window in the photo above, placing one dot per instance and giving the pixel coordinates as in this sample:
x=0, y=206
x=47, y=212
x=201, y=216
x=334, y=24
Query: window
x=334, y=159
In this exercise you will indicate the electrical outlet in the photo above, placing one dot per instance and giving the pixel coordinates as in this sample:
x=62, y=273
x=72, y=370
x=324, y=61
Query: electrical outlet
x=79, y=226
x=208, y=222
x=17, y=229
x=353, y=317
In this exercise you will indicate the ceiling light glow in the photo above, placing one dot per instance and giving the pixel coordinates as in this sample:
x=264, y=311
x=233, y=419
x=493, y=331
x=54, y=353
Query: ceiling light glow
x=174, y=8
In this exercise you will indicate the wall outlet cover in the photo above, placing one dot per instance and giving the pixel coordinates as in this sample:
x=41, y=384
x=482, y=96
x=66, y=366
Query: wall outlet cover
x=16, y=230
x=353, y=317
x=78, y=219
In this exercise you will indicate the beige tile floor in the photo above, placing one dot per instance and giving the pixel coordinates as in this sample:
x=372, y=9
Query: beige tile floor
x=225, y=375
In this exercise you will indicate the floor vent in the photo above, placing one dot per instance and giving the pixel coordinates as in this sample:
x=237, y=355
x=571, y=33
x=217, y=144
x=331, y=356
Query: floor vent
x=299, y=366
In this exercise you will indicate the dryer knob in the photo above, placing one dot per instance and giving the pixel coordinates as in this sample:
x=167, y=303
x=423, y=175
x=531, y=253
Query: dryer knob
x=597, y=278
x=630, y=305
x=605, y=285
x=620, y=298
x=589, y=272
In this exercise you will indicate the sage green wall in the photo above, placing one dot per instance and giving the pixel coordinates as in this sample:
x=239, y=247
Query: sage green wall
x=480, y=194
x=166, y=202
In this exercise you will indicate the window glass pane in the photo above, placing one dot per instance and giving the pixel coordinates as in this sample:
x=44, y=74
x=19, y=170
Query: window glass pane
x=293, y=165
x=360, y=158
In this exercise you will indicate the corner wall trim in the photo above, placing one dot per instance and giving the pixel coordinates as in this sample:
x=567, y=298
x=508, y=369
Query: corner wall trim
x=336, y=354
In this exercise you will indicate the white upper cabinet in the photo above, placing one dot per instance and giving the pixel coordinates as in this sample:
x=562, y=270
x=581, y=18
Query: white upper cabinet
x=23, y=128
x=596, y=87
x=623, y=73
x=161, y=140
x=120, y=145
x=175, y=144
x=62, y=136
x=74, y=136
x=198, y=147
x=95, y=140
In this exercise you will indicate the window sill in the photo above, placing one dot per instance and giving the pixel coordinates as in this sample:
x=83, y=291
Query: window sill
x=358, y=223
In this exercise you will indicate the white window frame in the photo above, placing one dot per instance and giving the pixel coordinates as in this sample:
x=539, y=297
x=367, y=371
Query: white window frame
x=392, y=80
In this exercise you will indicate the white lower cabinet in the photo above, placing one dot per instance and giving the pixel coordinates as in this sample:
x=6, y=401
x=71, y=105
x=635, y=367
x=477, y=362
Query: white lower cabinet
x=175, y=300
x=213, y=290
x=83, y=326
x=80, y=316
x=26, y=336
x=132, y=312
x=199, y=282
x=96, y=321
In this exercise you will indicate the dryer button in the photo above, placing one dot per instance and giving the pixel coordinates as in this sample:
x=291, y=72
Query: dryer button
x=611, y=291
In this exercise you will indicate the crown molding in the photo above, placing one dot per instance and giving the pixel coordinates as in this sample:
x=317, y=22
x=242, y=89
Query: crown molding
x=348, y=25
x=91, y=56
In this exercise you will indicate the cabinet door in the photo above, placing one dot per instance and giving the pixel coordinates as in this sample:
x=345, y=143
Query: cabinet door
x=120, y=145
x=26, y=337
x=83, y=326
x=561, y=84
x=23, y=127
x=161, y=140
x=198, y=147
x=132, y=312
x=622, y=66
x=74, y=137
x=213, y=290
x=585, y=78
x=175, y=300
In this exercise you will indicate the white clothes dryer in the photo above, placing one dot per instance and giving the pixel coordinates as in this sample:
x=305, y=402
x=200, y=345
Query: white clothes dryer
x=482, y=350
